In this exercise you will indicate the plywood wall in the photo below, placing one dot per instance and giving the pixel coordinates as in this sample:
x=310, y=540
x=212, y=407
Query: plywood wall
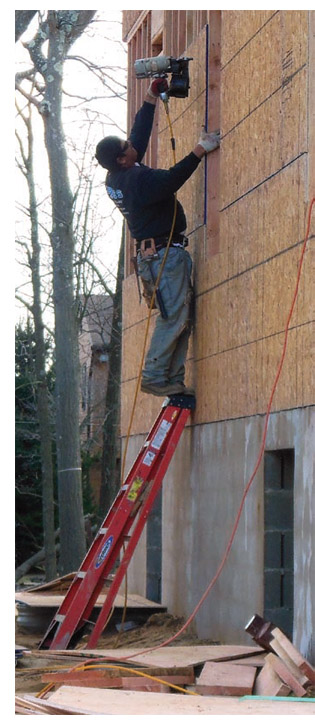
x=244, y=290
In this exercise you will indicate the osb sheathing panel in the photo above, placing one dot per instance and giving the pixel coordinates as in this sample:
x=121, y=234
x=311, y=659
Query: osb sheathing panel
x=263, y=65
x=305, y=364
x=238, y=382
x=270, y=137
x=244, y=292
x=238, y=27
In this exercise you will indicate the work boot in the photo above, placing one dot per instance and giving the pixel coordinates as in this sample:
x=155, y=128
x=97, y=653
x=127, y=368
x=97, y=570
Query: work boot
x=184, y=390
x=165, y=388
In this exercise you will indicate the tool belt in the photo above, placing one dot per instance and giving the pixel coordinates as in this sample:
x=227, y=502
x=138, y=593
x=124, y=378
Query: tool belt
x=150, y=246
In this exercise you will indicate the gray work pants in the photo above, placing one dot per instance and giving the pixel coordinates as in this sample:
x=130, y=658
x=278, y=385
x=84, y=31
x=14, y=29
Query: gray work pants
x=165, y=359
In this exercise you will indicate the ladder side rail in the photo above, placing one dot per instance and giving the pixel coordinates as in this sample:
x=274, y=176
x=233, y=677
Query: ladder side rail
x=80, y=599
x=77, y=582
x=79, y=608
x=84, y=590
x=146, y=442
x=147, y=504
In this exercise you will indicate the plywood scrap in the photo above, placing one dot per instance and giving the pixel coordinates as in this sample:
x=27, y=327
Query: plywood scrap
x=225, y=678
x=140, y=680
x=282, y=653
x=36, y=706
x=181, y=655
x=268, y=683
x=122, y=702
x=285, y=675
x=303, y=665
x=269, y=636
x=254, y=660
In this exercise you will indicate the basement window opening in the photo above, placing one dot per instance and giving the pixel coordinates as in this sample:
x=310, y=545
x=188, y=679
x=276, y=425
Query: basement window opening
x=278, y=538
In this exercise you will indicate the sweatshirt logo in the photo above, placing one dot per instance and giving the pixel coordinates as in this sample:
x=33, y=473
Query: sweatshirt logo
x=114, y=194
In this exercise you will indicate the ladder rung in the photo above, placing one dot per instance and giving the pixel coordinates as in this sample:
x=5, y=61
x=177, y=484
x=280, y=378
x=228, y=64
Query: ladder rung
x=103, y=530
x=81, y=574
x=60, y=617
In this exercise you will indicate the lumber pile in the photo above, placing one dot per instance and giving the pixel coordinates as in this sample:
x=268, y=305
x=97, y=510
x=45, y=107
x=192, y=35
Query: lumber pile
x=285, y=671
x=272, y=667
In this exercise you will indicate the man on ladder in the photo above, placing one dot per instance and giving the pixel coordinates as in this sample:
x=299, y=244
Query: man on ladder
x=147, y=199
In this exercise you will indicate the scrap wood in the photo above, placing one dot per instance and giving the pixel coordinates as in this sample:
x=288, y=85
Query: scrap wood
x=254, y=660
x=303, y=665
x=176, y=656
x=61, y=584
x=104, y=679
x=44, y=707
x=225, y=678
x=264, y=633
x=269, y=683
x=120, y=702
x=285, y=675
x=278, y=649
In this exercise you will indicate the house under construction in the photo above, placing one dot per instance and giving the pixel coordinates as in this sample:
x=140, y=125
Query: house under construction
x=252, y=76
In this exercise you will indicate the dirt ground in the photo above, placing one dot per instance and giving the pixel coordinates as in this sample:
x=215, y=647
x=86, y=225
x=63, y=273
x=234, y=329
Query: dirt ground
x=158, y=628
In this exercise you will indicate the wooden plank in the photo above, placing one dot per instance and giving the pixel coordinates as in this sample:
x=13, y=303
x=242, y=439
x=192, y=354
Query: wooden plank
x=285, y=675
x=269, y=683
x=278, y=649
x=45, y=707
x=122, y=702
x=264, y=632
x=177, y=656
x=255, y=660
x=295, y=655
x=96, y=678
x=41, y=599
x=224, y=678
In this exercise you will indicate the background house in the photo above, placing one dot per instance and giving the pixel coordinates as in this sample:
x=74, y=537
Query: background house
x=252, y=75
x=94, y=342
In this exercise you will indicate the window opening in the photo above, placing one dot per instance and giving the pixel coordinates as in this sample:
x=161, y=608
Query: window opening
x=278, y=538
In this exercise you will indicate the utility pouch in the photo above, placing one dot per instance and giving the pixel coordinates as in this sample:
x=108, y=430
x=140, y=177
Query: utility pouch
x=147, y=292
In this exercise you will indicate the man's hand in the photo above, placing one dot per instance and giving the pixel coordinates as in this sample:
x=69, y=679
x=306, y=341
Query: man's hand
x=209, y=141
x=157, y=86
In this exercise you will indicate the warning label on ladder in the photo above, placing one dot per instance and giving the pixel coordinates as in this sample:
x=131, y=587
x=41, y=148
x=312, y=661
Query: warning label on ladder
x=161, y=434
x=149, y=458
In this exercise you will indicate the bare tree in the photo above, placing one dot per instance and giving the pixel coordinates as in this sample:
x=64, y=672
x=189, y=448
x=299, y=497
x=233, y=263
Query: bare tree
x=109, y=483
x=58, y=31
x=43, y=399
x=75, y=228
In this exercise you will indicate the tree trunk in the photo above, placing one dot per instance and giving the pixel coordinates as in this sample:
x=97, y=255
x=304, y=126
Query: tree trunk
x=72, y=535
x=61, y=29
x=109, y=482
x=22, y=21
x=43, y=407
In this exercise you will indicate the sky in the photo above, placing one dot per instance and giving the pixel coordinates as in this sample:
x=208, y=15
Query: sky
x=102, y=44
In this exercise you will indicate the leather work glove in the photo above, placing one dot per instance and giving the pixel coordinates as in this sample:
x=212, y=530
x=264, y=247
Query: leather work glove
x=209, y=141
x=157, y=86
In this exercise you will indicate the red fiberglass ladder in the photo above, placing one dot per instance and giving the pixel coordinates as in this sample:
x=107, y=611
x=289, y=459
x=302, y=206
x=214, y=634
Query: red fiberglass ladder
x=130, y=508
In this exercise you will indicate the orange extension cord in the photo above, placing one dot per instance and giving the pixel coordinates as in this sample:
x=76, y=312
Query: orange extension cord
x=246, y=490
x=259, y=458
